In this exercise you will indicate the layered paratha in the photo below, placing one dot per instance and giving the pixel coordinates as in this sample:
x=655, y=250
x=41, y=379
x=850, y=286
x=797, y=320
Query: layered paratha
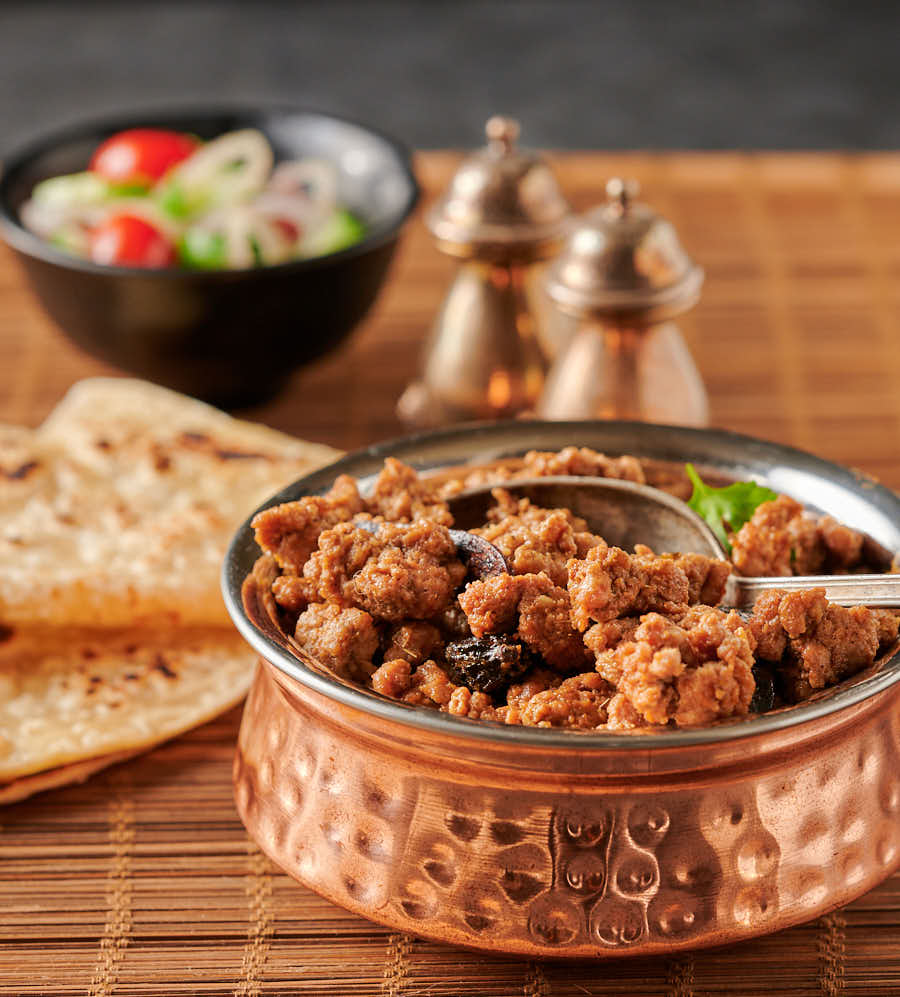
x=63, y=775
x=68, y=694
x=114, y=518
x=119, y=508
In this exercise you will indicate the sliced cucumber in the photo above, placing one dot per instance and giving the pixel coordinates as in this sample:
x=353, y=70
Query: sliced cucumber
x=71, y=189
x=340, y=230
x=200, y=249
x=72, y=239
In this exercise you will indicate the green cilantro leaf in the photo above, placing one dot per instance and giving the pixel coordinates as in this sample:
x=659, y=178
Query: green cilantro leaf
x=732, y=505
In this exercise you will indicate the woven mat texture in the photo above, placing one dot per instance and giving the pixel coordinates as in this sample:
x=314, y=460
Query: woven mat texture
x=143, y=882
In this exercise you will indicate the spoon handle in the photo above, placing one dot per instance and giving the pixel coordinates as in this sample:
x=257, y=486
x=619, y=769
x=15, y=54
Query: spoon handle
x=845, y=590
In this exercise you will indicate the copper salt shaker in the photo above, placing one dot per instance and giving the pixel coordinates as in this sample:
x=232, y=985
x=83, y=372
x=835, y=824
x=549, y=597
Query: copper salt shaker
x=488, y=351
x=625, y=276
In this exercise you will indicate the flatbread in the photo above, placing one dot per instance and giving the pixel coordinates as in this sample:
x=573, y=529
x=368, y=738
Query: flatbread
x=118, y=510
x=114, y=519
x=71, y=694
x=63, y=775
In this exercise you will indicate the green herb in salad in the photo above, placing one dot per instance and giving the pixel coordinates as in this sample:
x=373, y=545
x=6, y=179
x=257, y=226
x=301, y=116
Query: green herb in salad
x=731, y=506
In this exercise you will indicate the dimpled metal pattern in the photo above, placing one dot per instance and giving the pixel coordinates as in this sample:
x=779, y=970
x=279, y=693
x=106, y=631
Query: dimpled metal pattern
x=541, y=856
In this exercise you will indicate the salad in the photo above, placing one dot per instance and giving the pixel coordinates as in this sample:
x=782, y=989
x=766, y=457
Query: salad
x=153, y=198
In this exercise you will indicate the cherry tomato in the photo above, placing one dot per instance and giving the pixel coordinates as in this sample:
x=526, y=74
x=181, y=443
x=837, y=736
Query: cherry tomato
x=288, y=229
x=126, y=240
x=141, y=155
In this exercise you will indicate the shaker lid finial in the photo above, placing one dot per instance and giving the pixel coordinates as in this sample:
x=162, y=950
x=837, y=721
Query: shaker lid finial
x=502, y=202
x=502, y=133
x=625, y=261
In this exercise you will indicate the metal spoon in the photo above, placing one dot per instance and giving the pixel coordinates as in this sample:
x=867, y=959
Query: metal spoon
x=625, y=514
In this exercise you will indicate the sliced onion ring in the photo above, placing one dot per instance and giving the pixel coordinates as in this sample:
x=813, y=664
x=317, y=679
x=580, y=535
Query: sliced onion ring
x=315, y=178
x=210, y=168
x=241, y=226
x=303, y=191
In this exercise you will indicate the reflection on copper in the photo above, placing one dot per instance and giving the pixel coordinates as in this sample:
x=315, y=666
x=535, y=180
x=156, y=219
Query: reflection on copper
x=499, y=391
x=579, y=852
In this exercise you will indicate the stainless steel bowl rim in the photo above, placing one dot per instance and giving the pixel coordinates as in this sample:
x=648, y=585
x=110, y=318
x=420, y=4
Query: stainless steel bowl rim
x=480, y=442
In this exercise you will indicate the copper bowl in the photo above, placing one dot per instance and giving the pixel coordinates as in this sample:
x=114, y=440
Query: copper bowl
x=553, y=843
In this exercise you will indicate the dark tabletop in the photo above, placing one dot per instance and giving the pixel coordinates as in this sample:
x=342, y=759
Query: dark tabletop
x=612, y=74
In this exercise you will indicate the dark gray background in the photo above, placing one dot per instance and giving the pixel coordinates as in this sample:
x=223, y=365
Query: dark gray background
x=640, y=74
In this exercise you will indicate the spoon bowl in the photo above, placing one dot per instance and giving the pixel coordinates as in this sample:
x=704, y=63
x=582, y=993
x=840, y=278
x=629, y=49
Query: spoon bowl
x=622, y=512
x=625, y=513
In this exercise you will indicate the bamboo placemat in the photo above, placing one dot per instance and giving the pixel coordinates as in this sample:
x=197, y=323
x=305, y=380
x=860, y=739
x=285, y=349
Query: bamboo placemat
x=142, y=881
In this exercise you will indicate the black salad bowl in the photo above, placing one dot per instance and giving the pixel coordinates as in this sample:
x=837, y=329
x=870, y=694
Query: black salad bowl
x=231, y=337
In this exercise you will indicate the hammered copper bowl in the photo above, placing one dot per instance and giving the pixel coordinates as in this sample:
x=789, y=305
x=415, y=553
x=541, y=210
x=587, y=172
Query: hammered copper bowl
x=553, y=843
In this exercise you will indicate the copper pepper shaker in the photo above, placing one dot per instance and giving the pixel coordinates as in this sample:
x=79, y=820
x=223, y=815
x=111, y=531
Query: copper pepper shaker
x=488, y=351
x=625, y=276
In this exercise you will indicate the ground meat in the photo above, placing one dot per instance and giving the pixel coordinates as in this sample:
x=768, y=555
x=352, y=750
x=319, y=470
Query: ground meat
x=766, y=627
x=343, y=640
x=545, y=625
x=888, y=624
x=515, y=648
x=529, y=549
x=343, y=551
x=491, y=606
x=452, y=622
x=706, y=576
x=689, y=617
x=693, y=672
x=533, y=608
x=405, y=571
x=579, y=702
x=604, y=585
x=782, y=539
x=518, y=696
x=401, y=496
x=816, y=642
x=291, y=531
x=534, y=539
x=543, y=542
x=621, y=714
x=392, y=678
x=431, y=686
x=571, y=461
x=413, y=641
x=506, y=504
x=474, y=479
x=604, y=636
x=583, y=462
x=779, y=539
x=843, y=546
x=293, y=592
x=464, y=702
x=609, y=583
